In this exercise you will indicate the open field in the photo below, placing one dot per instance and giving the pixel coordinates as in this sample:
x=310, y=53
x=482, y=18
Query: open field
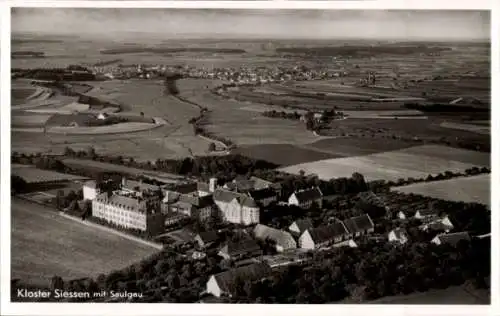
x=45, y=244
x=467, y=189
x=475, y=128
x=390, y=165
x=35, y=175
x=456, y=295
x=128, y=127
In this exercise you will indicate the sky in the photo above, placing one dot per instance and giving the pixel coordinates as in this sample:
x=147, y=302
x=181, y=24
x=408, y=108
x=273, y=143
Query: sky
x=243, y=23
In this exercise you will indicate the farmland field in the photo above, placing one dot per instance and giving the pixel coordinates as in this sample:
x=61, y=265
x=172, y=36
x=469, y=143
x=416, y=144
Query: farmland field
x=35, y=175
x=467, y=189
x=45, y=244
x=416, y=162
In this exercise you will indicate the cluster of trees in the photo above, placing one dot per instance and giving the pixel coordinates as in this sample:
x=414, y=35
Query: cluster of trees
x=282, y=114
x=56, y=74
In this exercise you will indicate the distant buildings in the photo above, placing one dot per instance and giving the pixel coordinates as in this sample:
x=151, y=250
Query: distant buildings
x=226, y=283
x=305, y=198
x=281, y=239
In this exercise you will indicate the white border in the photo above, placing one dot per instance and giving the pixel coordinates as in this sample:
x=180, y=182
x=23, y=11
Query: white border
x=8, y=308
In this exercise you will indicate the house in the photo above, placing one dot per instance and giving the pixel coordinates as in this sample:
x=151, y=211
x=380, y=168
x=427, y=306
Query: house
x=305, y=198
x=359, y=225
x=300, y=226
x=426, y=214
x=202, y=207
x=264, y=197
x=90, y=190
x=323, y=236
x=227, y=282
x=236, y=250
x=236, y=207
x=283, y=240
x=206, y=239
x=259, y=184
x=102, y=116
x=398, y=235
x=441, y=224
x=451, y=239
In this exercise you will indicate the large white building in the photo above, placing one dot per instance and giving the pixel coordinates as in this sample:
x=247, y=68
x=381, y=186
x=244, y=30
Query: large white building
x=236, y=208
x=128, y=212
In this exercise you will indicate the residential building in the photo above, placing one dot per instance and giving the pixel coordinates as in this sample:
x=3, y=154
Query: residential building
x=227, y=282
x=90, y=190
x=323, y=236
x=359, y=225
x=300, y=226
x=305, y=198
x=398, y=235
x=282, y=240
x=129, y=212
x=236, y=208
x=441, y=224
x=426, y=214
x=236, y=250
x=264, y=197
x=451, y=239
x=206, y=239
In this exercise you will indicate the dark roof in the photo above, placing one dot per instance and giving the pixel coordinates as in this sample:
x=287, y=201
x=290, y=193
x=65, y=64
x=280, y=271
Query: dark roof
x=207, y=237
x=280, y=237
x=202, y=186
x=453, y=238
x=240, y=247
x=186, y=188
x=228, y=196
x=262, y=194
x=309, y=195
x=325, y=233
x=358, y=223
x=198, y=201
x=303, y=224
x=228, y=280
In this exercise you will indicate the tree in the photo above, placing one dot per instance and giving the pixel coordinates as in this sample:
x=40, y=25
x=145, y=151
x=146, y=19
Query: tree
x=56, y=283
x=211, y=147
x=142, y=114
x=18, y=185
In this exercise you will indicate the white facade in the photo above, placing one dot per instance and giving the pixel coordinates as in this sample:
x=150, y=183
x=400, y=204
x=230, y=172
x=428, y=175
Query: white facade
x=436, y=241
x=306, y=241
x=90, y=192
x=233, y=212
x=401, y=215
x=127, y=217
x=292, y=200
x=401, y=238
x=213, y=287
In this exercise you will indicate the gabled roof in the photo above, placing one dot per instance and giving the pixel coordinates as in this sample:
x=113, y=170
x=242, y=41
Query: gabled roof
x=198, y=201
x=229, y=196
x=264, y=232
x=453, y=238
x=228, y=280
x=326, y=233
x=303, y=224
x=208, y=237
x=358, y=223
x=262, y=194
x=262, y=184
x=308, y=195
x=186, y=188
x=234, y=248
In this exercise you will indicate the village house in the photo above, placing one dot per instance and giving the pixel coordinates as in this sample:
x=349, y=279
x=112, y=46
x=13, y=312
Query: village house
x=300, y=226
x=441, y=224
x=305, y=198
x=236, y=207
x=323, y=236
x=226, y=283
x=206, y=239
x=236, y=250
x=359, y=225
x=451, y=239
x=398, y=235
x=282, y=240
x=426, y=214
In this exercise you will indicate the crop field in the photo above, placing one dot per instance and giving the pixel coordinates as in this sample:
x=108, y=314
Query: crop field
x=467, y=189
x=480, y=129
x=282, y=154
x=45, y=244
x=128, y=127
x=30, y=120
x=35, y=175
x=390, y=165
x=352, y=146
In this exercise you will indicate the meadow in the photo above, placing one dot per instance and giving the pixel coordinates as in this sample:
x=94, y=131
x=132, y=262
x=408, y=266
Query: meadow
x=416, y=162
x=45, y=244
x=473, y=189
x=35, y=175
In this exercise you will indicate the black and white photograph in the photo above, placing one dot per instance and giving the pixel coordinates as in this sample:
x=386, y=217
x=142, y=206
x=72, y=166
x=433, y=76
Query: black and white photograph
x=249, y=156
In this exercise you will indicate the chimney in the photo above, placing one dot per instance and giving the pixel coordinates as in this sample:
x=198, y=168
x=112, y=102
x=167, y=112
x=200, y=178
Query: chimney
x=212, y=184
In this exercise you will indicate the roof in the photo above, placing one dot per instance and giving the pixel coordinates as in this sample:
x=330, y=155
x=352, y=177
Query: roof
x=207, y=237
x=262, y=184
x=453, y=238
x=240, y=247
x=132, y=184
x=262, y=194
x=399, y=233
x=264, y=232
x=358, y=223
x=186, y=188
x=303, y=224
x=90, y=184
x=325, y=233
x=309, y=195
x=229, y=196
x=202, y=186
x=228, y=280
x=198, y=201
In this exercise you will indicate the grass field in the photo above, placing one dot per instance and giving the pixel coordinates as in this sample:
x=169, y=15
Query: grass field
x=416, y=162
x=45, y=244
x=468, y=189
x=475, y=128
x=35, y=175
